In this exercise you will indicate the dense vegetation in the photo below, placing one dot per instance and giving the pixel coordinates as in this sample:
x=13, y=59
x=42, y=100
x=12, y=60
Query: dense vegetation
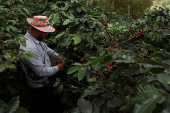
x=161, y=3
x=116, y=64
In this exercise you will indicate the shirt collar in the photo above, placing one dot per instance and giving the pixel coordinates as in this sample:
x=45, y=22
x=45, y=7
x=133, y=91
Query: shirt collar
x=32, y=38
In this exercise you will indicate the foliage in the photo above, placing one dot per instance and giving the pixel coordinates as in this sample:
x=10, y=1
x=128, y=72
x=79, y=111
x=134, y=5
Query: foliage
x=115, y=64
x=162, y=3
x=121, y=6
x=12, y=106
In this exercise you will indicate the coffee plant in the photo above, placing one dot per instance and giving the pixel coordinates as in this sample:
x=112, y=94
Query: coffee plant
x=116, y=64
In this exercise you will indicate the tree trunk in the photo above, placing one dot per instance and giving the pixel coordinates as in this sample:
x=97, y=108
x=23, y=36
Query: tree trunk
x=112, y=6
x=101, y=3
x=128, y=7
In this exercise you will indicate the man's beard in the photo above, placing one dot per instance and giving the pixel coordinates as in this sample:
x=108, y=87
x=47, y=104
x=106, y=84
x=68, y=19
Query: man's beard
x=39, y=38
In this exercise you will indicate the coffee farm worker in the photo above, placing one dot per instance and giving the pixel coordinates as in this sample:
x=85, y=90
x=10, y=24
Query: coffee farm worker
x=39, y=71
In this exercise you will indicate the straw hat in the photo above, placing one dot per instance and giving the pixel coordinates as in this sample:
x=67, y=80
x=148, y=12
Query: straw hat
x=41, y=23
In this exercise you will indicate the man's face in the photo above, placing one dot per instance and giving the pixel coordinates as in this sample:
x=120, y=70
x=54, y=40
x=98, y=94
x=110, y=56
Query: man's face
x=42, y=35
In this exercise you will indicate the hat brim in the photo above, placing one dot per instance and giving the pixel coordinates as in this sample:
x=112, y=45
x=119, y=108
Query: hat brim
x=43, y=29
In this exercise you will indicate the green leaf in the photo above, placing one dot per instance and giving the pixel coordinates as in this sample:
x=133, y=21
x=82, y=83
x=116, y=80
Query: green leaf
x=89, y=36
x=56, y=84
x=115, y=102
x=60, y=89
x=73, y=69
x=143, y=92
x=162, y=77
x=13, y=67
x=64, y=97
x=81, y=73
x=2, y=110
x=26, y=10
x=92, y=25
x=158, y=18
x=147, y=28
x=163, y=107
x=76, y=64
x=2, y=67
x=67, y=41
x=23, y=44
x=168, y=81
x=13, y=104
x=12, y=27
x=74, y=110
x=126, y=107
x=101, y=51
x=148, y=104
x=32, y=55
x=22, y=110
x=13, y=90
x=78, y=9
x=75, y=75
x=121, y=68
x=96, y=108
x=134, y=70
x=22, y=40
x=7, y=29
x=92, y=90
x=117, y=24
x=107, y=59
x=59, y=35
x=8, y=57
x=91, y=43
x=104, y=109
x=72, y=1
x=67, y=21
x=99, y=24
x=96, y=61
x=74, y=35
x=150, y=34
x=77, y=40
x=84, y=8
x=7, y=64
x=163, y=19
x=3, y=106
x=161, y=53
x=108, y=95
x=154, y=63
x=100, y=33
x=71, y=17
x=84, y=105
x=26, y=55
x=21, y=1
x=56, y=19
x=92, y=79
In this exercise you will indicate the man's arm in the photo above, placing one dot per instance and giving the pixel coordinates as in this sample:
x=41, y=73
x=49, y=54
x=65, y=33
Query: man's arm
x=37, y=65
x=53, y=54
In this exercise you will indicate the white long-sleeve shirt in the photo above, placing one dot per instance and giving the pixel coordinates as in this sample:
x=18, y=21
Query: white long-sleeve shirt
x=41, y=66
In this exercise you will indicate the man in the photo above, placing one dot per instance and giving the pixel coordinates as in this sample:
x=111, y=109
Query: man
x=39, y=72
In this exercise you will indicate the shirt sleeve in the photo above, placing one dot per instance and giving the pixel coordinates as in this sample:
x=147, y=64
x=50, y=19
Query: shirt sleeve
x=38, y=67
x=51, y=52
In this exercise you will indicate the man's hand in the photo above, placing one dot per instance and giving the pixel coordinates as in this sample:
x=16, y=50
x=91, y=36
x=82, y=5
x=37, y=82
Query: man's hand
x=60, y=66
x=60, y=58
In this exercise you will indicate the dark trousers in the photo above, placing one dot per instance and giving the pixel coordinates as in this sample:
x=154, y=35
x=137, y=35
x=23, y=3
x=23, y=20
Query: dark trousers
x=45, y=98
